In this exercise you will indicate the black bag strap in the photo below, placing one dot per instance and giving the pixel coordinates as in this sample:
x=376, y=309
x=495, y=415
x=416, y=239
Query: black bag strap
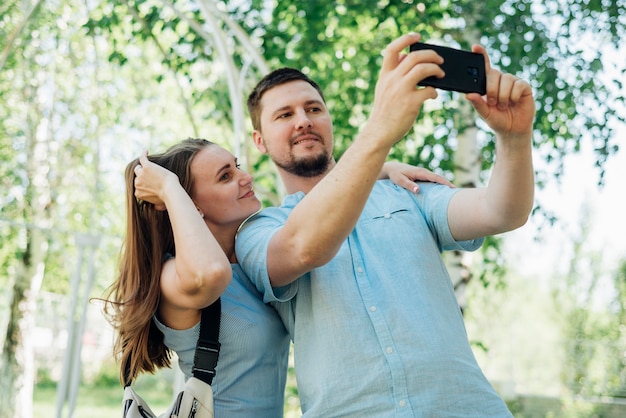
x=208, y=347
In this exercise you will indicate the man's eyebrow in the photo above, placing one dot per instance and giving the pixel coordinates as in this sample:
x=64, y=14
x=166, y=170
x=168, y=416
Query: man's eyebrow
x=306, y=103
x=314, y=101
x=281, y=109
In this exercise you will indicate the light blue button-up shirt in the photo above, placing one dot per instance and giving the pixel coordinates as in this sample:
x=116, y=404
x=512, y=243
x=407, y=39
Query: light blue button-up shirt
x=252, y=367
x=377, y=331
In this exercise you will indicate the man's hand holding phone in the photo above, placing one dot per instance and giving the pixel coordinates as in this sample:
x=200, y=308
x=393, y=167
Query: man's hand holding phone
x=465, y=71
x=507, y=105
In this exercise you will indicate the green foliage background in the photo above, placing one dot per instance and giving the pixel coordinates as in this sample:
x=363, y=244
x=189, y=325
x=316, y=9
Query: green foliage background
x=86, y=86
x=339, y=44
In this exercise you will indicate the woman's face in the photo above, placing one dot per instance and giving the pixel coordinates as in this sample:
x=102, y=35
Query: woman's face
x=222, y=192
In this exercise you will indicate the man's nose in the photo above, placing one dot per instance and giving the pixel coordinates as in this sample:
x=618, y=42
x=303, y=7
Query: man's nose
x=303, y=121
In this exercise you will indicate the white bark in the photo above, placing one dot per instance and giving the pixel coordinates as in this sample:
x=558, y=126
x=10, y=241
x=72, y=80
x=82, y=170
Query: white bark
x=18, y=372
x=467, y=174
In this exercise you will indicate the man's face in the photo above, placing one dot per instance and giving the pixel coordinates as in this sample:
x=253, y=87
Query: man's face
x=296, y=129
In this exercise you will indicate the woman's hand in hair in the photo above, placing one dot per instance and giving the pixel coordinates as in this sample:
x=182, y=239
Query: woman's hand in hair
x=152, y=182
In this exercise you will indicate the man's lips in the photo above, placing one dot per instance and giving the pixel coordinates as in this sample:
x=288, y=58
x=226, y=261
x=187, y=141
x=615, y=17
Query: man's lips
x=307, y=138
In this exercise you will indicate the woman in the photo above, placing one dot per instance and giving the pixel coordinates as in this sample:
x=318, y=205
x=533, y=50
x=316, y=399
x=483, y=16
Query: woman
x=183, y=211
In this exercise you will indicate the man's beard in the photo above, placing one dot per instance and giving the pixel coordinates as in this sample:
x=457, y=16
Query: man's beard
x=306, y=167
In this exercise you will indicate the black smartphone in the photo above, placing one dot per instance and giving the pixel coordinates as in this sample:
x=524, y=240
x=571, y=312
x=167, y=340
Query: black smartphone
x=465, y=70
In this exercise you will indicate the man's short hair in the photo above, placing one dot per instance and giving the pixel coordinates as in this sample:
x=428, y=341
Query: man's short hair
x=273, y=79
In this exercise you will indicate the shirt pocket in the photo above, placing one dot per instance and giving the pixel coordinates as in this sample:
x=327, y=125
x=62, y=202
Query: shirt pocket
x=394, y=223
x=395, y=218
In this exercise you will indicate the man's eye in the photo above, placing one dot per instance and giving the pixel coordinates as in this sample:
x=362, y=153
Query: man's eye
x=238, y=165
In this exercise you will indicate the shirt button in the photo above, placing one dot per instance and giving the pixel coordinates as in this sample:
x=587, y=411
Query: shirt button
x=402, y=403
x=372, y=308
x=360, y=269
x=387, y=215
x=389, y=350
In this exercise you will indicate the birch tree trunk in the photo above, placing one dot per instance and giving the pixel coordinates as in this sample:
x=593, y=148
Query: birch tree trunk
x=18, y=372
x=466, y=173
x=17, y=368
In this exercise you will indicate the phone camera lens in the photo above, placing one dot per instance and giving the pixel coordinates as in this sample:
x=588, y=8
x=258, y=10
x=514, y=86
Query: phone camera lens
x=473, y=71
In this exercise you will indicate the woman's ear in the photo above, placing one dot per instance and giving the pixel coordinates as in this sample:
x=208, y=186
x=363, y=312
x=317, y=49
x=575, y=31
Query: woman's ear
x=200, y=212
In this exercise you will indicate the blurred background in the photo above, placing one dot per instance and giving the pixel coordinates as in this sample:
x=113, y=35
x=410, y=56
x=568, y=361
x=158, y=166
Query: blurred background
x=87, y=85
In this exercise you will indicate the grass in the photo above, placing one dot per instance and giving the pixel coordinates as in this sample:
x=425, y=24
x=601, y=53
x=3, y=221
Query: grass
x=93, y=403
x=105, y=400
x=102, y=401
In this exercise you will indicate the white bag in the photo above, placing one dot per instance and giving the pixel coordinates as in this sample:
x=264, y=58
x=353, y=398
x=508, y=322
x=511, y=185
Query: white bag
x=195, y=400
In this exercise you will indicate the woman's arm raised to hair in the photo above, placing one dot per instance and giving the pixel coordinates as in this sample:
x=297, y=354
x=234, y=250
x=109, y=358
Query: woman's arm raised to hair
x=200, y=272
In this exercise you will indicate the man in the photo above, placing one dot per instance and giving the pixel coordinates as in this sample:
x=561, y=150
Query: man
x=353, y=265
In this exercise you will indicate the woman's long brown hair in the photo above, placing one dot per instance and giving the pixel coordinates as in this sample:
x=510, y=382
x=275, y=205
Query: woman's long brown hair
x=133, y=298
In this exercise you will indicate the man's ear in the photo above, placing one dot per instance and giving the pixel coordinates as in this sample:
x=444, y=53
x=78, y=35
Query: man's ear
x=258, y=141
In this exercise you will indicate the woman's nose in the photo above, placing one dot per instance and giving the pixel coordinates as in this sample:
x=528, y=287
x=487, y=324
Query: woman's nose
x=246, y=178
